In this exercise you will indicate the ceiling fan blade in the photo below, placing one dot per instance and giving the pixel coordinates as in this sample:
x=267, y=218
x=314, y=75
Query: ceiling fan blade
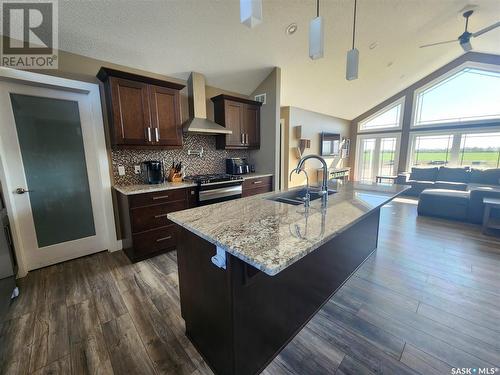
x=438, y=43
x=486, y=29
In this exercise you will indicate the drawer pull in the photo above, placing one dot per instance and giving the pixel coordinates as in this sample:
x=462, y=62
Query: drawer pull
x=160, y=197
x=257, y=182
x=160, y=215
x=164, y=239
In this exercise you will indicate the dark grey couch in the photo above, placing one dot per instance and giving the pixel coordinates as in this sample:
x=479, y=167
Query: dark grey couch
x=437, y=178
x=453, y=193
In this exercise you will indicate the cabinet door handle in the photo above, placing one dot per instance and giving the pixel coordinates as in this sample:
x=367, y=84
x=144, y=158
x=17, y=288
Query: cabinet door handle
x=157, y=134
x=164, y=239
x=160, y=215
x=257, y=182
x=149, y=134
x=160, y=197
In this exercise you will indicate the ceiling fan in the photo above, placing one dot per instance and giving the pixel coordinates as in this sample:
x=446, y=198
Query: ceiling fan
x=464, y=39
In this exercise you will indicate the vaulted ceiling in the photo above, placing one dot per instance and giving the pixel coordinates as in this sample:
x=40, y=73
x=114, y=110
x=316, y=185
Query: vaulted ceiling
x=174, y=37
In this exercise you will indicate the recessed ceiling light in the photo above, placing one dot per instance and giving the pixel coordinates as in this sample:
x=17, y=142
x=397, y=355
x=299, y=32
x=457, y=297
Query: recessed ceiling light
x=373, y=45
x=291, y=29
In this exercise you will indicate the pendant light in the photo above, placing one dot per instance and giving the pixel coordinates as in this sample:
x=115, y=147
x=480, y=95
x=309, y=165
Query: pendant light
x=316, y=36
x=251, y=12
x=353, y=54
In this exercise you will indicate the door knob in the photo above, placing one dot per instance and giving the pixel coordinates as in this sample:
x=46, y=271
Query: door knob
x=21, y=190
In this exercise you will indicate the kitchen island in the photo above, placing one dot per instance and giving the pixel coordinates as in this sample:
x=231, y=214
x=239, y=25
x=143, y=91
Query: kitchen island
x=253, y=271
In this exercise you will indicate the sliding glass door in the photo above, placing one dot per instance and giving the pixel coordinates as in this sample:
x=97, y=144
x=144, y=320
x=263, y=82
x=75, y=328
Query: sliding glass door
x=377, y=156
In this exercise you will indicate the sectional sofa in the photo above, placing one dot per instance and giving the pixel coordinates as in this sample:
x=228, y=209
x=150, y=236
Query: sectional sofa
x=452, y=193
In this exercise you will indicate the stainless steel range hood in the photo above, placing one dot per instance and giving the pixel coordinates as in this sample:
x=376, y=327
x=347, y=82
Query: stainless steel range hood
x=197, y=100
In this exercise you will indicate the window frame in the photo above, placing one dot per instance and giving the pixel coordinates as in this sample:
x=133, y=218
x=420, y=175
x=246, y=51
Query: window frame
x=438, y=80
x=455, y=147
x=399, y=101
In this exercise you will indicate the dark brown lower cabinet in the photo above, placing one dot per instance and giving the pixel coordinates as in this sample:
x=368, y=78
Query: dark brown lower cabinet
x=146, y=231
x=257, y=185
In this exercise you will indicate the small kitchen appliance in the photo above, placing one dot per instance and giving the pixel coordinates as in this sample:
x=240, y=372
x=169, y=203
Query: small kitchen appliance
x=237, y=166
x=152, y=172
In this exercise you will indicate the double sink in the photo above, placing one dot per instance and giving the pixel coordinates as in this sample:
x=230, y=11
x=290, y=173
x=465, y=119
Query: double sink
x=297, y=196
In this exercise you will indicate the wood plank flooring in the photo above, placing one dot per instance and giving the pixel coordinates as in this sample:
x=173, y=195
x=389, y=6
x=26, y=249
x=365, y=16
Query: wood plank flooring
x=428, y=300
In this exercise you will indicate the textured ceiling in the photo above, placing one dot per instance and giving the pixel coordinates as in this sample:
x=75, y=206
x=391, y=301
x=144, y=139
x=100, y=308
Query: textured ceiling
x=175, y=37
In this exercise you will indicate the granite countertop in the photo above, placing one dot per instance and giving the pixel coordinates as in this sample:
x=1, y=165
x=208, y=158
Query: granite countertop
x=272, y=236
x=150, y=188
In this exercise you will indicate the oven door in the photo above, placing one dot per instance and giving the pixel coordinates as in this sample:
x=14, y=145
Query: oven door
x=219, y=192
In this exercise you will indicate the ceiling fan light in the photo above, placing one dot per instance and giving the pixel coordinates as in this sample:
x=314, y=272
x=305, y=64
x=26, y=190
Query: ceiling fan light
x=251, y=12
x=352, y=64
x=316, y=38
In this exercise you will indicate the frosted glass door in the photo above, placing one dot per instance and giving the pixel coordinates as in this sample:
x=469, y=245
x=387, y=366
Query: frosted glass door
x=51, y=143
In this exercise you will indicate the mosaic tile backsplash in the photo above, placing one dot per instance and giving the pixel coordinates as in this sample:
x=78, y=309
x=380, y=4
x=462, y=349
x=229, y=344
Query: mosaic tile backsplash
x=213, y=160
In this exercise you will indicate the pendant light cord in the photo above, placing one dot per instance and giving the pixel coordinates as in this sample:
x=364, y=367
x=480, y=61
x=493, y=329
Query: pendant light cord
x=317, y=8
x=354, y=24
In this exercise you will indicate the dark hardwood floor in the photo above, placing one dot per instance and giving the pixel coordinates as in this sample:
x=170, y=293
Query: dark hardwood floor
x=426, y=301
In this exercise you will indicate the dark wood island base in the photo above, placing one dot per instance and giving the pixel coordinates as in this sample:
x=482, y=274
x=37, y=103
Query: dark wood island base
x=240, y=318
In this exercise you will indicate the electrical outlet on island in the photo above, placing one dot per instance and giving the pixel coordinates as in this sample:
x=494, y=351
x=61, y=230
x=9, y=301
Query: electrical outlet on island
x=121, y=170
x=137, y=169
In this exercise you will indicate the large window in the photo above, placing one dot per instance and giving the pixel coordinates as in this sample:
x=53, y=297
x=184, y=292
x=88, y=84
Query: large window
x=476, y=149
x=432, y=150
x=480, y=150
x=469, y=95
x=389, y=117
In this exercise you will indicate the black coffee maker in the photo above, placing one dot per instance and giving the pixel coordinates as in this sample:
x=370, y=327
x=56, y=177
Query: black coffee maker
x=237, y=166
x=152, y=172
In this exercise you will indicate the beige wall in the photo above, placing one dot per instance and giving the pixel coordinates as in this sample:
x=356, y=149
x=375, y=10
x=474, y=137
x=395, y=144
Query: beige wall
x=85, y=69
x=266, y=159
x=313, y=124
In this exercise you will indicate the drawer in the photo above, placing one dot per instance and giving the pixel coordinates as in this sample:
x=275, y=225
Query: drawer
x=252, y=183
x=155, y=240
x=255, y=191
x=147, y=199
x=150, y=217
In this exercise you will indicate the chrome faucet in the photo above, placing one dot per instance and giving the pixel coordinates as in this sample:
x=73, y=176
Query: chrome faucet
x=307, y=198
x=324, y=184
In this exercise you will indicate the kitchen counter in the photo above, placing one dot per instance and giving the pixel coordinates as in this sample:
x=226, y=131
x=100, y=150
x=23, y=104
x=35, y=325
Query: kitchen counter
x=253, y=272
x=150, y=188
x=270, y=235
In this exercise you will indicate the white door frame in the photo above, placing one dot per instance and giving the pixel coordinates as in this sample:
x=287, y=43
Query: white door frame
x=92, y=90
x=377, y=137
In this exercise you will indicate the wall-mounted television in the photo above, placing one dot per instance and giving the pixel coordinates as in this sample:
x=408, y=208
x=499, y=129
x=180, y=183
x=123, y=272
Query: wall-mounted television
x=330, y=144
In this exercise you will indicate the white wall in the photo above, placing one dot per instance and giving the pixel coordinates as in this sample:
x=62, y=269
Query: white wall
x=313, y=124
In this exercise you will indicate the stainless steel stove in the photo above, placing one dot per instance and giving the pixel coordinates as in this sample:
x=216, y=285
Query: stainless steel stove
x=213, y=188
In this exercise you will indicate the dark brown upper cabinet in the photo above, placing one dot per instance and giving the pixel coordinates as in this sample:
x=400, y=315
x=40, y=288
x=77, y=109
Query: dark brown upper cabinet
x=242, y=116
x=142, y=111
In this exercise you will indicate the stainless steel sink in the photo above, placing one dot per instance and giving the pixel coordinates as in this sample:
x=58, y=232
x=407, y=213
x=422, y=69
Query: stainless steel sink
x=297, y=197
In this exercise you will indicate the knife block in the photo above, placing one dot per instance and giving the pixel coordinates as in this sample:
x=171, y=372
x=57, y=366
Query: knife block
x=174, y=176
